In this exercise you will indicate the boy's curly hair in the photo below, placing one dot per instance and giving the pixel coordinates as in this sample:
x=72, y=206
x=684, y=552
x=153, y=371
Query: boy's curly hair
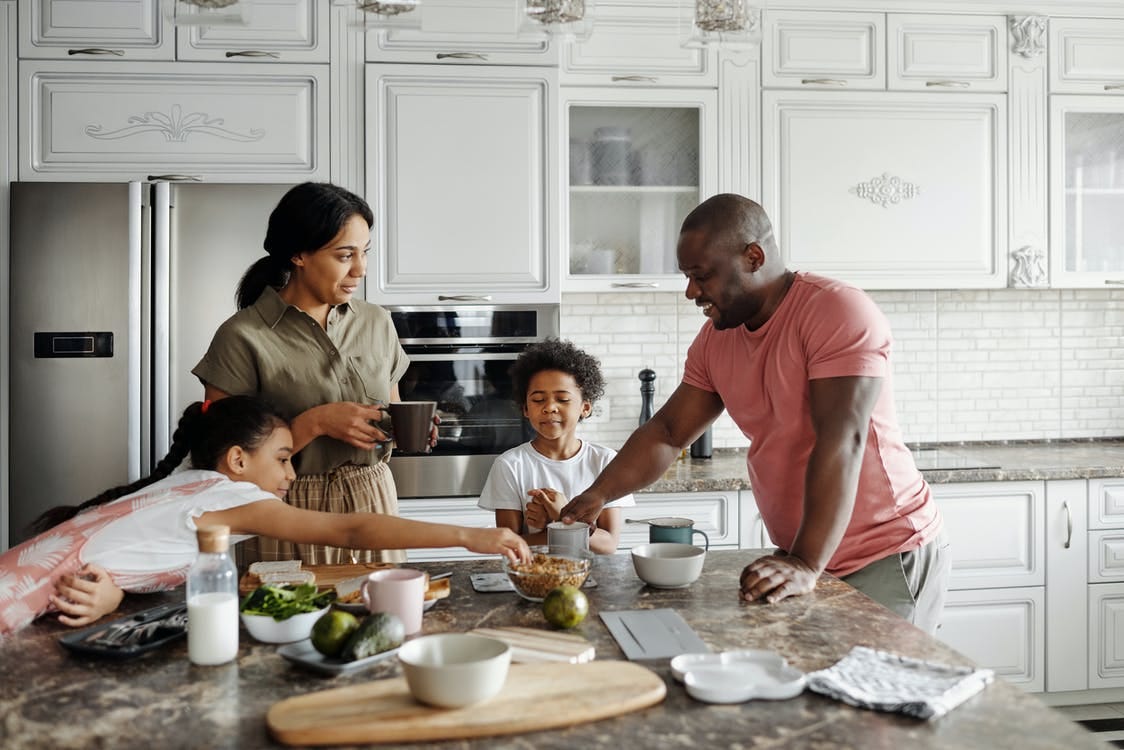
x=556, y=354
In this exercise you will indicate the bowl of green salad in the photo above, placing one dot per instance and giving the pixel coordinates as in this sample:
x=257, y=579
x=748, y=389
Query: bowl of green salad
x=284, y=614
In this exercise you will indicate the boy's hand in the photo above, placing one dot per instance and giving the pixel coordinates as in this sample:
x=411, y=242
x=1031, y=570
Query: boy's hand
x=551, y=500
x=85, y=597
x=535, y=516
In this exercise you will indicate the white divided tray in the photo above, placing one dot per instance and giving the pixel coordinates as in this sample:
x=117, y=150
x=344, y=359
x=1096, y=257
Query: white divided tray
x=737, y=676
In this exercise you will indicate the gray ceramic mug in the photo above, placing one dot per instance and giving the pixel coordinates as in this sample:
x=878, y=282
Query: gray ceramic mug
x=677, y=530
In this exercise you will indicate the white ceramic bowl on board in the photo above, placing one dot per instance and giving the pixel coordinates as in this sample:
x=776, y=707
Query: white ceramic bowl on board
x=451, y=670
x=267, y=630
x=668, y=565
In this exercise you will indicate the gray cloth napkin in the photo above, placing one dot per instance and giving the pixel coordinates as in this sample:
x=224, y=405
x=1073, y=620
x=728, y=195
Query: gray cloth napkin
x=887, y=682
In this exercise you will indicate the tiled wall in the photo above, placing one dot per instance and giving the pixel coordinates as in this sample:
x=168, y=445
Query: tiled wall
x=1003, y=364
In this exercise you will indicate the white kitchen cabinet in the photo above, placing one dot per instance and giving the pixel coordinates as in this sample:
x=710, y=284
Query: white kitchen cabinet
x=753, y=534
x=1106, y=583
x=1000, y=629
x=483, y=32
x=275, y=31
x=1106, y=635
x=637, y=44
x=458, y=511
x=714, y=513
x=1086, y=191
x=221, y=122
x=1067, y=519
x=950, y=52
x=1086, y=56
x=816, y=49
x=462, y=176
x=889, y=190
x=638, y=162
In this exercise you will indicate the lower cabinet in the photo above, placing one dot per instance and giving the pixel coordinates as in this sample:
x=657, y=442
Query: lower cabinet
x=460, y=511
x=714, y=513
x=1001, y=629
x=1105, y=591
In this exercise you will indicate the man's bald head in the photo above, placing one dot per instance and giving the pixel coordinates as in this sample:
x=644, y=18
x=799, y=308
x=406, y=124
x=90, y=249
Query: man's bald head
x=732, y=221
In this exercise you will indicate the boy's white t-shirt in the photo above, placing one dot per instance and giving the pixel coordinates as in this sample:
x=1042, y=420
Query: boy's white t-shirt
x=522, y=468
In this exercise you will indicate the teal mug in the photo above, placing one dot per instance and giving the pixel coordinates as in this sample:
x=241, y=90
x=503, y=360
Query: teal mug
x=677, y=530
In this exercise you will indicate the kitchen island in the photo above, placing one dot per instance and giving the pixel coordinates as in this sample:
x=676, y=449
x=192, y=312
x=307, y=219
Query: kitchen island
x=51, y=698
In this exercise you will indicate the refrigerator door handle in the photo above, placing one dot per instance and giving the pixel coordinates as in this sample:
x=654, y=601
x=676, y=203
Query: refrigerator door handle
x=161, y=322
x=133, y=379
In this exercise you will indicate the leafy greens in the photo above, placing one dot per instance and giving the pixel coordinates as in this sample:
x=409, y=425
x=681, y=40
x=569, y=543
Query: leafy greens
x=282, y=602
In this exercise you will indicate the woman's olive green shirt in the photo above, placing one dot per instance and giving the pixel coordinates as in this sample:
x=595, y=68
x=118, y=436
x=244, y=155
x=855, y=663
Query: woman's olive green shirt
x=275, y=350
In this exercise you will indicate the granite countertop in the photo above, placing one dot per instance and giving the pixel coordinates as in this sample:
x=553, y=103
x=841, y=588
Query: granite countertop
x=51, y=698
x=943, y=463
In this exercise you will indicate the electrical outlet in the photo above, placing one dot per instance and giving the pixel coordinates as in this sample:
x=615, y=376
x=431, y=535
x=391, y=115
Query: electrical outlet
x=600, y=412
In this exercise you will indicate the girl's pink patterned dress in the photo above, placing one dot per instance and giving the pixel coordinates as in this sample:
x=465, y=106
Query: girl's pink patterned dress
x=28, y=571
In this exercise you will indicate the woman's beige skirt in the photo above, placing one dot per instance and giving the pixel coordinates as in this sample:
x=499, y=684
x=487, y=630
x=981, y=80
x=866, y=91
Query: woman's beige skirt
x=348, y=489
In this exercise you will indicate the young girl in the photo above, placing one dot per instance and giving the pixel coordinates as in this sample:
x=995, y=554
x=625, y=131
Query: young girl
x=141, y=537
x=555, y=385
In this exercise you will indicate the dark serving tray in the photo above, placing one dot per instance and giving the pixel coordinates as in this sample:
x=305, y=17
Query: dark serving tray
x=94, y=641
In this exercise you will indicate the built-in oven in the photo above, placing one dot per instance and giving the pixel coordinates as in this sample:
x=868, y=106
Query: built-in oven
x=461, y=357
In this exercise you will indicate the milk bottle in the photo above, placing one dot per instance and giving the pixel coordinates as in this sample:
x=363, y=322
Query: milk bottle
x=212, y=600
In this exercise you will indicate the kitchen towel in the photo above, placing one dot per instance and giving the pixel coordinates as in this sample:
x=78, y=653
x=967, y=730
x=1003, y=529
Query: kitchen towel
x=887, y=682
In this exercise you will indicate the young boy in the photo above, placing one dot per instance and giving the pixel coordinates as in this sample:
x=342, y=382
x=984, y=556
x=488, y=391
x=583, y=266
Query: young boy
x=555, y=385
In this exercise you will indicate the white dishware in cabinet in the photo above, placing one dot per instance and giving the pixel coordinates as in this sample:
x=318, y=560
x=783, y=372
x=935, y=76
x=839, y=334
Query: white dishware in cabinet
x=889, y=190
x=462, y=176
x=638, y=162
x=111, y=29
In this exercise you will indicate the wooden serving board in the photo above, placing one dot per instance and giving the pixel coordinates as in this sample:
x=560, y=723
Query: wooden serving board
x=327, y=576
x=530, y=645
x=383, y=711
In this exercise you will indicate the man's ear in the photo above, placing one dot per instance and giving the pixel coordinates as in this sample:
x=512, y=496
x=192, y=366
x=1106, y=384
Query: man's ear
x=753, y=256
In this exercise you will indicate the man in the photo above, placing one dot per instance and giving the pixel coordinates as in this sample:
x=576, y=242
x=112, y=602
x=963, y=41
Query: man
x=801, y=364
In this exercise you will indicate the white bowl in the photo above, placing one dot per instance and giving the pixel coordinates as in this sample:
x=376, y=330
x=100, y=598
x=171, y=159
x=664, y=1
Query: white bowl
x=745, y=676
x=451, y=670
x=668, y=565
x=267, y=630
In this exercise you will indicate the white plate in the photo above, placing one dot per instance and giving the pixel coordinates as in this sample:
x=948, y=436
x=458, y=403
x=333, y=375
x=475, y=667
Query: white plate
x=749, y=675
x=304, y=654
x=359, y=608
x=684, y=663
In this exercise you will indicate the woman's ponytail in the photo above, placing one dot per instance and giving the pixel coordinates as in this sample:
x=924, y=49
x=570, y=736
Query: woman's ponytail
x=267, y=271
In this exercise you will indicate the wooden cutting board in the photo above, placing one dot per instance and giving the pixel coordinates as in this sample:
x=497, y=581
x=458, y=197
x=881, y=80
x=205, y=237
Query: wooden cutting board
x=530, y=645
x=383, y=711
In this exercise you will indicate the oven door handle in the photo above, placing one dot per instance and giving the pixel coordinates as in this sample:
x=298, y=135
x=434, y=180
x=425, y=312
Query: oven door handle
x=446, y=357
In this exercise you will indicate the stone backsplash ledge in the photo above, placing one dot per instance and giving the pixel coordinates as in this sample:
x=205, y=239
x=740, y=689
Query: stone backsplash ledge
x=1005, y=364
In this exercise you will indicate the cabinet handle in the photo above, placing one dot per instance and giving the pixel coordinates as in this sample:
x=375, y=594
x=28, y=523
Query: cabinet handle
x=464, y=298
x=1113, y=86
x=825, y=81
x=174, y=178
x=461, y=56
x=949, y=84
x=1068, y=525
x=642, y=79
x=635, y=285
x=1114, y=282
x=253, y=53
x=96, y=51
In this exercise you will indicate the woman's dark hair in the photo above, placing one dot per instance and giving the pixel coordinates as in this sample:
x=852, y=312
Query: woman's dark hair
x=246, y=421
x=556, y=354
x=305, y=219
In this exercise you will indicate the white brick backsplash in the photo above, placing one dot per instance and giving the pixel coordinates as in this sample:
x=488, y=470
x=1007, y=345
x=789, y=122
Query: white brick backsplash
x=1003, y=364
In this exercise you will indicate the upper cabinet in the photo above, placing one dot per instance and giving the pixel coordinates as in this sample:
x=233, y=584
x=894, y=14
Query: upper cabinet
x=462, y=174
x=1086, y=153
x=875, y=51
x=275, y=31
x=637, y=44
x=483, y=32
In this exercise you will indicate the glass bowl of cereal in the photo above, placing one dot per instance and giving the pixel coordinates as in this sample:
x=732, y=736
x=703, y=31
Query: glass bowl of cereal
x=548, y=570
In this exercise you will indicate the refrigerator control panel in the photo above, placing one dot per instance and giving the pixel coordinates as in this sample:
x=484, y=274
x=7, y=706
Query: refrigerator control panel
x=57, y=344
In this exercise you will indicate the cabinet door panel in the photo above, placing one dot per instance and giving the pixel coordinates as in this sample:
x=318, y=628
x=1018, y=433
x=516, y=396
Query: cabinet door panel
x=286, y=30
x=130, y=29
x=1001, y=629
x=459, y=511
x=811, y=49
x=714, y=513
x=889, y=190
x=461, y=175
x=1086, y=55
x=949, y=53
x=223, y=121
x=1106, y=635
x=1106, y=503
x=996, y=533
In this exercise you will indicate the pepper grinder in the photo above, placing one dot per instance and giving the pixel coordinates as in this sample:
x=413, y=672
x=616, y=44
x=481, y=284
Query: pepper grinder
x=702, y=447
x=647, y=394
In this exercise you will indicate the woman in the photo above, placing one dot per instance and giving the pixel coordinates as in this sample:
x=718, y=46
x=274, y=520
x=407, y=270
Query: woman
x=141, y=537
x=328, y=361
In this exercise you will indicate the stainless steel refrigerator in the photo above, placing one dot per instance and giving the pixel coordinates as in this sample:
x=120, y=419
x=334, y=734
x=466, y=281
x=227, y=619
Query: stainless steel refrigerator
x=116, y=290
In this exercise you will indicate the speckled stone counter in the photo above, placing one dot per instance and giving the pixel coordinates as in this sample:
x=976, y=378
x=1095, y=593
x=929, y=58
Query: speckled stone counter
x=52, y=699
x=940, y=464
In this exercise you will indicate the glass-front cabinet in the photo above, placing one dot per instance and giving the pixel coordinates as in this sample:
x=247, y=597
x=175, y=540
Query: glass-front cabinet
x=639, y=161
x=1087, y=191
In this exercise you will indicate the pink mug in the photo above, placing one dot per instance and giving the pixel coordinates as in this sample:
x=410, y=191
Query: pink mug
x=400, y=591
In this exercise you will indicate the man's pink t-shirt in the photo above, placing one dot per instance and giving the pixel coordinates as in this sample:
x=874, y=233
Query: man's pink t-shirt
x=822, y=329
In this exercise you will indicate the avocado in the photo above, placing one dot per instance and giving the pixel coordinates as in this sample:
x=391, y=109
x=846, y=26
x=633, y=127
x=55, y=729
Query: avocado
x=380, y=631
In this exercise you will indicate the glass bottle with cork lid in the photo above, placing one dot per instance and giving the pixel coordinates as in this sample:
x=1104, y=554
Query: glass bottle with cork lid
x=212, y=600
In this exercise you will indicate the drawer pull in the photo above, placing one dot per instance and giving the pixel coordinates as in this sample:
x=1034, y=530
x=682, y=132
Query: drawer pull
x=635, y=285
x=824, y=81
x=949, y=84
x=1114, y=282
x=464, y=298
x=461, y=56
x=1068, y=525
x=253, y=53
x=96, y=51
x=1114, y=87
x=174, y=178
x=641, y=79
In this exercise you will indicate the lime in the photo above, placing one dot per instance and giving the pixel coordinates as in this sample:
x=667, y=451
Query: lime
x=331, y=631
x=565, y=607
